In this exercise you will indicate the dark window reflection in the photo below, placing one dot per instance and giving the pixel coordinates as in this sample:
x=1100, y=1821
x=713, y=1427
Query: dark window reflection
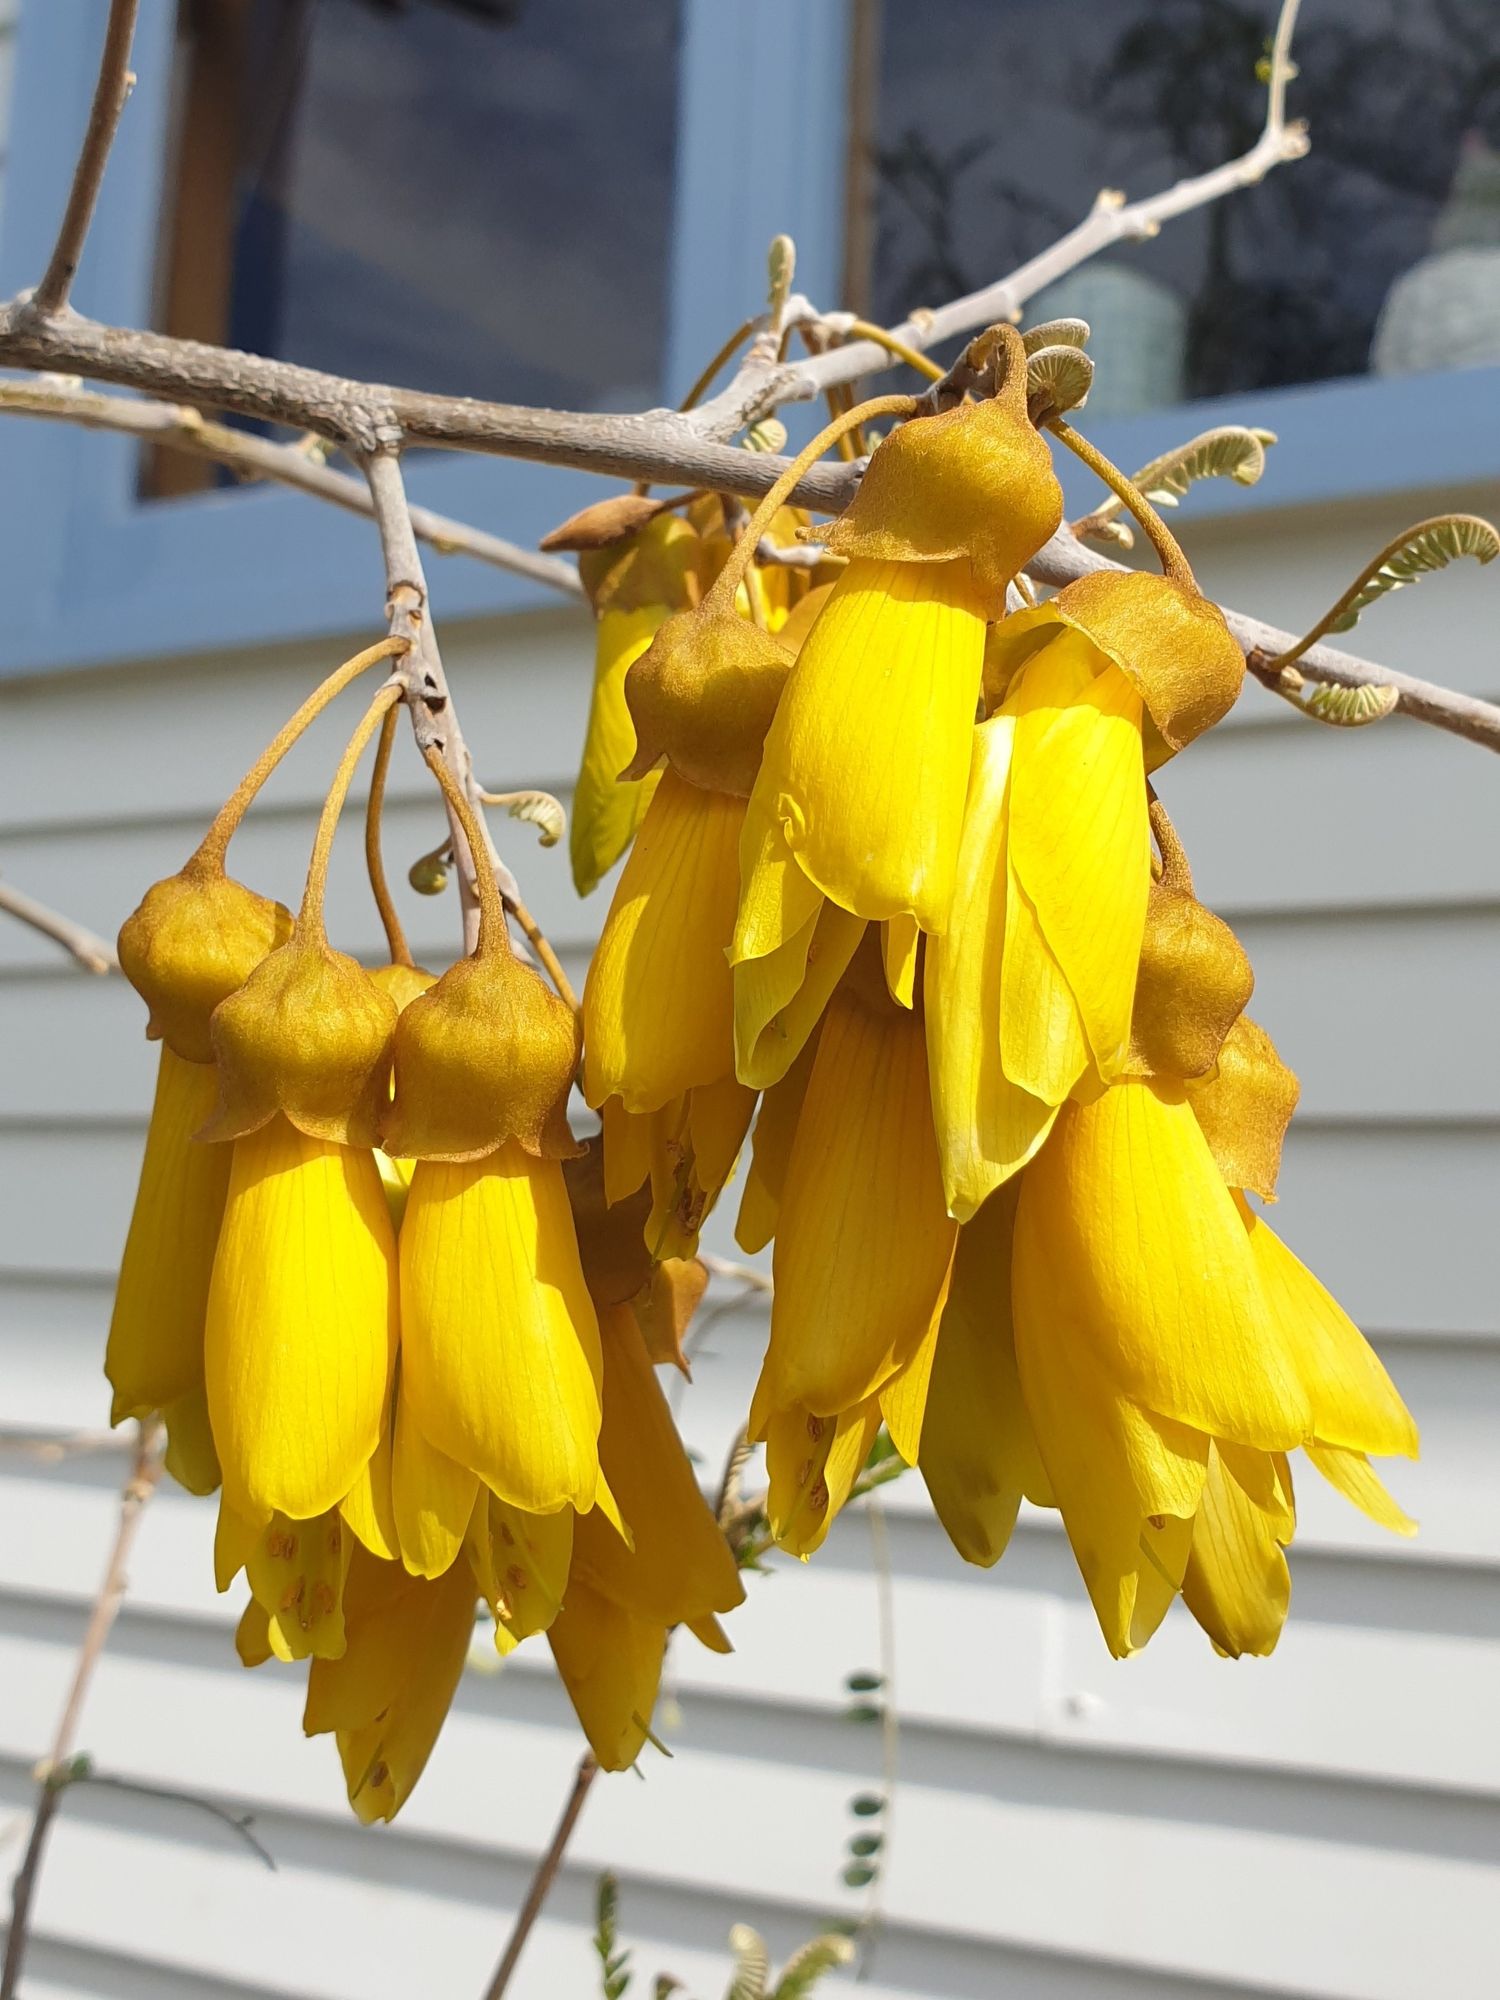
x=999, y=120
x=472, y=196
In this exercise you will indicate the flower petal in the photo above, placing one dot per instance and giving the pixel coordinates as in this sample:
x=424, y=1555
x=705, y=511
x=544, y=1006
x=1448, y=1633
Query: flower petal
x=1354, y=1476
x=898, y=948
x=811, y=1465
x=606, y=810
x=1079, y=838
x=776, y=898
x=610, y=1663
x=978, y=1455
x=770, y=1154
x=296, y=1571
x=1237, y=1584
x=1355, y=1404
x=987, y=1126
x=301, y=1328
x=500, y=1347
x=779, y=999
x=1137, y=1258
x=520, y=1562
x=155, y=1351
x=432, y=1497
x=863, y=1247
x=868, y=756
x=1043, y=1048
x=658, y=1003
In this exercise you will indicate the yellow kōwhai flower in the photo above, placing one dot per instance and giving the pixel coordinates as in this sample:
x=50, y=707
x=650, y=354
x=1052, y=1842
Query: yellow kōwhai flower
x=863, y=1246
x=300, y=1335
x=620, y=1603
x=385, y=1698
x=155, y=1354
x=635, y=585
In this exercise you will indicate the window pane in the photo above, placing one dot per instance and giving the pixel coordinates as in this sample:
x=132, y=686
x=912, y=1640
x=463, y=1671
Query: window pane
x=472, y=196
x=998, y=121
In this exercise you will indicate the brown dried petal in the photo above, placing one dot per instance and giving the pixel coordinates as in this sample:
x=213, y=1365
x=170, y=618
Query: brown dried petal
x=603, y=523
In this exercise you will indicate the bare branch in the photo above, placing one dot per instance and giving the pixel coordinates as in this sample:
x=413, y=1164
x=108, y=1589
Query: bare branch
x=53, y=1774
x=758, y=388
x=185, y=429
x=110, y=93
x=93, y=953
x=542, y=1880
x=1065, y=558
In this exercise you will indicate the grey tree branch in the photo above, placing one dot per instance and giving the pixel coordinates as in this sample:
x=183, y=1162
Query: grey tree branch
x=110, y=93
x=53, y=1772
x=759, y=387
x=182, y=428
x=93, y=953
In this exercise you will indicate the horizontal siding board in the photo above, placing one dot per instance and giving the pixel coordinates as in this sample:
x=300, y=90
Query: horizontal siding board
x=1383, y=1015
x=1359, y=1901
x=1358, y=1203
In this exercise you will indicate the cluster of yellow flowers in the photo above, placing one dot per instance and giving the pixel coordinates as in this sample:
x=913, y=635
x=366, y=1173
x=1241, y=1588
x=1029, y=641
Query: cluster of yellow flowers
x=901, y=896
x=373, y=1288
x=897, y=881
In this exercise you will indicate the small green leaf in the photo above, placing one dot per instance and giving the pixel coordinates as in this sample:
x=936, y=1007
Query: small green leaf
x=752, y=1964
x=1055, y=333
x=806, y=1967
x=858, y=1875
x=864, y=1683
x=865, y=1805
x=1430, y=545
x=1230, y=451
x=866, y=1844
x=864, y=1711
x=1057, y=379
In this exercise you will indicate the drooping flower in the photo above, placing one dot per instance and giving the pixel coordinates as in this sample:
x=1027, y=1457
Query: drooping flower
x=621, y=1601
x=863, y=1249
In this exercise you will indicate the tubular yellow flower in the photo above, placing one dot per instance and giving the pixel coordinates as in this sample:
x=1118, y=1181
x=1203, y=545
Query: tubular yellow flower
x=863, y=1247
x=978, y=1455
x=987, y=1126
x=368, y=1507
x=1078, y=861
x=606, y=809
x=687, y=1150
x=771, y=1151
x=812, y=1463
x=1142, y=1334
x=621, y=1602
x=658, y=1004
x=155, y=1354
x=499, y=1344
x=301, y=1326
x=867, y=758
x=635, y=582
x=386, y=1698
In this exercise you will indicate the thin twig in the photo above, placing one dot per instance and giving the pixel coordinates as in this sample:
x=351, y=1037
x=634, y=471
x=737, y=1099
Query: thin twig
x=110, y=93
x=184, y=429
x=93, y=953
x=238, y=1823
x=53, y=1774
x=1112, y=219
x=543, y=1878
x=890, y=1726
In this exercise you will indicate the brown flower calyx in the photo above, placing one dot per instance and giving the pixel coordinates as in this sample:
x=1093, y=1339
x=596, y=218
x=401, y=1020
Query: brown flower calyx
x=487, y=1056
x=702, y=697
x=308, y=1035
x=194, y=939
x=975, y=481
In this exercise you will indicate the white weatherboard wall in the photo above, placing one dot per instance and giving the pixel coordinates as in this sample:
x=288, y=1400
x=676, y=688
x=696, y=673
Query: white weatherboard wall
x=1326, y=1823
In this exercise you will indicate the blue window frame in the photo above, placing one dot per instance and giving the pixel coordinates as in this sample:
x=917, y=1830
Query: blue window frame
x=99, y=575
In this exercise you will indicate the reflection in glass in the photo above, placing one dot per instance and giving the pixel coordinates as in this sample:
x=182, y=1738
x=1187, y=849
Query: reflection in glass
x=999, y=120
x=471, y=196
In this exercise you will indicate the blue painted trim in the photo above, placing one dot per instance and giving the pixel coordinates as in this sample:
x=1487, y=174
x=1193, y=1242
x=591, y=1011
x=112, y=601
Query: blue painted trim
x=1337, y=441
x=98, y=577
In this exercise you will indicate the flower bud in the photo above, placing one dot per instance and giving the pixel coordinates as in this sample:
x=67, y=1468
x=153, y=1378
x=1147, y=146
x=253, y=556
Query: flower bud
x=1193, y=984
x=702, y=696
x=487, y=1056
x=309, y=1035
x=195, y=938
